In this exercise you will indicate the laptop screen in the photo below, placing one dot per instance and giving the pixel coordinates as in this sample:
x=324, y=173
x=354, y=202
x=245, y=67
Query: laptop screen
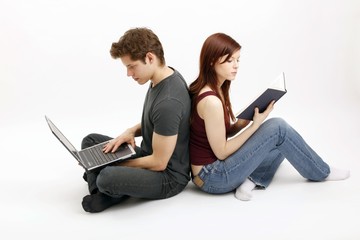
x=62, y=138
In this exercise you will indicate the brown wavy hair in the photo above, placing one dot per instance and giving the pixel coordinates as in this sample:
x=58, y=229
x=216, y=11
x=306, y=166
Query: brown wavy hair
x=136, y=43
x=215, y=46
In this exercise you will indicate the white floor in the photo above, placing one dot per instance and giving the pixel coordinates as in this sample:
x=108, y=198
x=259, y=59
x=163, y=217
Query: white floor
x=54, y=59
x=41, y=195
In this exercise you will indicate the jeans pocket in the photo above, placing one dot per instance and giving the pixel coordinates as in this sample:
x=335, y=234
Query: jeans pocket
x=213, y=167
x=214, y=178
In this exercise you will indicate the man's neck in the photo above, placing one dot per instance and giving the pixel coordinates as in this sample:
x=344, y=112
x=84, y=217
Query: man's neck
x=161, y=74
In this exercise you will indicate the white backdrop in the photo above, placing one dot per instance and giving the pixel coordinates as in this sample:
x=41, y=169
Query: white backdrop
x=55, y=54
x=54, y=60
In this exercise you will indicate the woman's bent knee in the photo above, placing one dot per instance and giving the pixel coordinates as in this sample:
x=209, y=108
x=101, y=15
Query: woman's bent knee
x=276, y=123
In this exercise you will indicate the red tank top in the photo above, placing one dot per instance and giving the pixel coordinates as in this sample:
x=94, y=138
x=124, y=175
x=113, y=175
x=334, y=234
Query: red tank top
x=200, y=150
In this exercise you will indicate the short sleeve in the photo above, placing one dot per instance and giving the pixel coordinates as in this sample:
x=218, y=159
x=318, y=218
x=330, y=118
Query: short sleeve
x=167, y=116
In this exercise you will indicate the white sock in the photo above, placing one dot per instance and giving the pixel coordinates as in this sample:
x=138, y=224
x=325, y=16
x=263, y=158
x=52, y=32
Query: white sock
x=337, y=174
x=243, y=192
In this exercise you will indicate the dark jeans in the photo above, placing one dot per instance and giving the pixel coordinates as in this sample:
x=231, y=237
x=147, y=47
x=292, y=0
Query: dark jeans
x=119, y=181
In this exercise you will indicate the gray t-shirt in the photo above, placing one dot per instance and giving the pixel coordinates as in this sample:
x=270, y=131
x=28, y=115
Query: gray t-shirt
x=166, y=111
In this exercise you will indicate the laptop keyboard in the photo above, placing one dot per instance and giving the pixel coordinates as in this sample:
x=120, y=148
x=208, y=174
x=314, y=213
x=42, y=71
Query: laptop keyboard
x=94, y=156
x=100, y=157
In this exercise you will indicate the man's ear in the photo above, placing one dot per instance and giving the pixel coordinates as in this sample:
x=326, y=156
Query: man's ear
x=150, y=56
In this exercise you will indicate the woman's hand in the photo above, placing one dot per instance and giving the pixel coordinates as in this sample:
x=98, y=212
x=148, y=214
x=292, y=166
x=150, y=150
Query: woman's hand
x=259, y=118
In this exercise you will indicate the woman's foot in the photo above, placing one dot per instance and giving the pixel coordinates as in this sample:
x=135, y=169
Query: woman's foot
x=337, y=174
x=243, y=192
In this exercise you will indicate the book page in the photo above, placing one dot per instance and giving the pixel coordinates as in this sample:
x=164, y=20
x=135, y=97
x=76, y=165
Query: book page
x=279, y=82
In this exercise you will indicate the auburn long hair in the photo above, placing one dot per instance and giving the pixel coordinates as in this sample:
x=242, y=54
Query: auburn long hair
x=215, y=46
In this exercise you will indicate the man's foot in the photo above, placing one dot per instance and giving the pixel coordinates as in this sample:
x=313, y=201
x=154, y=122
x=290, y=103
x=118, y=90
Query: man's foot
x=85, y=176
x=99, y=201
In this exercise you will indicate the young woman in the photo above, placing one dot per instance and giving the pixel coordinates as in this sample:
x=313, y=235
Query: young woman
x=249, y=159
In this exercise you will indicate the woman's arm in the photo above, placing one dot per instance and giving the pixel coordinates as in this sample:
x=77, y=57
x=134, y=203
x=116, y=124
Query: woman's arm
x=237, y=126
x=210, y=109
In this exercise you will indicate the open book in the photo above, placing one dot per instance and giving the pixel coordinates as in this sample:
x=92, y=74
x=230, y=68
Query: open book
x=274, y=92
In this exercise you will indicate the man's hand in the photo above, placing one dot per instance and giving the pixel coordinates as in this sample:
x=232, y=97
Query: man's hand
x=126, y=137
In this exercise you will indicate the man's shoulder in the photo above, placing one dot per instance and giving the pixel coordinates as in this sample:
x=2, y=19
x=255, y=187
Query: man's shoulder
x=177, y=80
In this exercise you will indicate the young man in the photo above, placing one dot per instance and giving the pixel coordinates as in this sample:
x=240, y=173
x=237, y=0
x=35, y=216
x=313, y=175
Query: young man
x=160, y=168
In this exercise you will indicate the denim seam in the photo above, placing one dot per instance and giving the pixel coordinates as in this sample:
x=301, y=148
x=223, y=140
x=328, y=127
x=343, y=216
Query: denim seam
x=306, y=156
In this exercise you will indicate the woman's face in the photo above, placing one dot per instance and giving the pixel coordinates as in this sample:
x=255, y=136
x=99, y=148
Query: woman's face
x=227, y=70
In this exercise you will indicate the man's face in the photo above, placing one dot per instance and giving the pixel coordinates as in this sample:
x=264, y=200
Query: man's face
x=141, y=72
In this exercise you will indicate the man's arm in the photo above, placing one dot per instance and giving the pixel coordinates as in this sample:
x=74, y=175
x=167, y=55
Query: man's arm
x=163, y=148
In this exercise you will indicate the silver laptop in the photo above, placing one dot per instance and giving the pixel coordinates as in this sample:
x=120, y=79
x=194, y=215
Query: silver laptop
x=92, y=157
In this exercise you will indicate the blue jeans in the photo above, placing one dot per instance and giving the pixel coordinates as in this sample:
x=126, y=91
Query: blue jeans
x=119, y=181
x=260, y=157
